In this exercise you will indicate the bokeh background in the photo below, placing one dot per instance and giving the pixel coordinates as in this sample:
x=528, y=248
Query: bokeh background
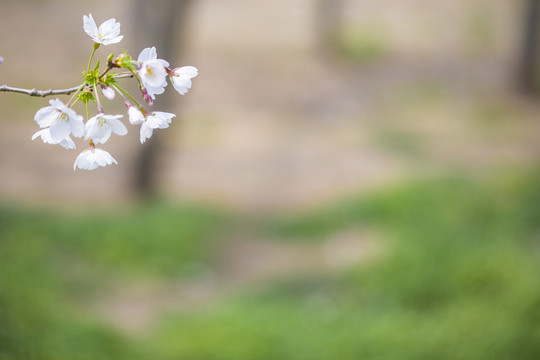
x=347, y=179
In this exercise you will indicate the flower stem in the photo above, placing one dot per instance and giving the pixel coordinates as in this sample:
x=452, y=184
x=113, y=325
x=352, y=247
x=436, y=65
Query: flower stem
x=91, y=57
x=105, y=72
x=126, y=94
x=73, y=96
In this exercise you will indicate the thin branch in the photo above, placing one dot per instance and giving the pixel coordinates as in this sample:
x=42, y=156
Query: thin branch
x=42, y=93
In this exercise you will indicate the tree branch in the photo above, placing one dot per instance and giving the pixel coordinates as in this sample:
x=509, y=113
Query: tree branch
x=42, y=93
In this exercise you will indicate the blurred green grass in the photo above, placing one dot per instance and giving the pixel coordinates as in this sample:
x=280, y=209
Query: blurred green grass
x=363, y=44
x=457, y=279
x=51, y=261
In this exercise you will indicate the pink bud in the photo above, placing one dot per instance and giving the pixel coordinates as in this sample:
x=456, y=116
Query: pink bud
x=108, y=92
x=147, y=97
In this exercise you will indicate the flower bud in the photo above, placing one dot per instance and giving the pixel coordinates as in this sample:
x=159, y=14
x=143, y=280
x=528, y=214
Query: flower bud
x=108, y=92
x=147, y=97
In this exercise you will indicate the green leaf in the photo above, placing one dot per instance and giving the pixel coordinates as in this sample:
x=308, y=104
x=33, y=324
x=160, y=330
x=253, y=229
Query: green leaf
x=86, y=96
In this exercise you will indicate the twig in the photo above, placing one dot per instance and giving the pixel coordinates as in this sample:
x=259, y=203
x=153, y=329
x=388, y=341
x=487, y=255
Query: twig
x=42, y=93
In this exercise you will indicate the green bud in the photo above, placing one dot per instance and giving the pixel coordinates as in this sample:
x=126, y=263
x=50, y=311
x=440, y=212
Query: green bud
x=86, y=96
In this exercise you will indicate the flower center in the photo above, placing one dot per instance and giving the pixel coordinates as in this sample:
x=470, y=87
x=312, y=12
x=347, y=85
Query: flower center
x=63, y=116
x=102, y=122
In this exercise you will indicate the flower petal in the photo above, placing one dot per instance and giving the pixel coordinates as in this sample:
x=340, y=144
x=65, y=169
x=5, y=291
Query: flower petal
x=189, y=71
x=113, y=41
x=67, y=143
x=60, y=130
x=146, y=133
x=108, y=92
x=90, y=26
x=46, y=116
x=136, y=117
x=110, y=28
x=118, y=127
x=147, y=54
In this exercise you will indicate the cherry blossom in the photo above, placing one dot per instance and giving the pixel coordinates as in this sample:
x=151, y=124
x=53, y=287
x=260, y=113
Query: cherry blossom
x=92, y=158
x=107, y=33
x=152, y=72
x=60, y=119
x=108, y=92
x=136, y=117
x=45, y=135
x=102, y=79
x=181, y=78
x=156, y=120
x=100, y=127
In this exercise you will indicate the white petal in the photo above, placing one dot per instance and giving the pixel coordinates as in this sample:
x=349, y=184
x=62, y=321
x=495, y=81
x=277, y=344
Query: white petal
x=189, y=71
x=45, y=116
x=181, y=84
x=82, y=161
x=167, y=116
x=153, y=122
x=60, y=130
x=118, y=127
x=89, y=26
x=100, y=135
x=136, y=117
x=99, y=158
x=147, y=54
x=71, y=114
x=45, y=136
x=108, y=92
x=67, y=143
x=113, y=41
x=152, y=73
x=77, y=128
x=110, y=28
x=103, y=157
x=146, y=133
x=153, y=91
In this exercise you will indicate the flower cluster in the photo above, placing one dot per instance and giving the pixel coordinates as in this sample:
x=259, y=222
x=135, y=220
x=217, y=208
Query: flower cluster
x=59, y=122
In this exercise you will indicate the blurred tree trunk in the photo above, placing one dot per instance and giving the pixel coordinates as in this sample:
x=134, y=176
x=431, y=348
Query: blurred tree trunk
x=328, y=16
x=156, y=24
x=527, y=76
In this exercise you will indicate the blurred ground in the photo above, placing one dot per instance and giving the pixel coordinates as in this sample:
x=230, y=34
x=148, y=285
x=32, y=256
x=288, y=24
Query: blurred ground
x=418, y=89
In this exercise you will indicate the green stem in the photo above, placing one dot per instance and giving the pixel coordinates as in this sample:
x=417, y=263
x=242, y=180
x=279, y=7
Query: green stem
x=125, y=93
x=137, y=78
x=91, y=58
x=75, y=94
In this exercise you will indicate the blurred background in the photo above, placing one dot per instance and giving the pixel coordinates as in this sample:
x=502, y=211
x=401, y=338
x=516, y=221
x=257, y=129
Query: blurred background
x=347, y=179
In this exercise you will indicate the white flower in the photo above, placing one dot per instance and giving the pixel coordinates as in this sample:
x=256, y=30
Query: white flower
x=108, y=32
x=156, y=120
x=99, y=128
x=146, y=132
x=92, y=158
x=152, y=72
x=181, y=78
x=60, y=119
x=136, y=117
x=45, y=135
x=108, y=92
